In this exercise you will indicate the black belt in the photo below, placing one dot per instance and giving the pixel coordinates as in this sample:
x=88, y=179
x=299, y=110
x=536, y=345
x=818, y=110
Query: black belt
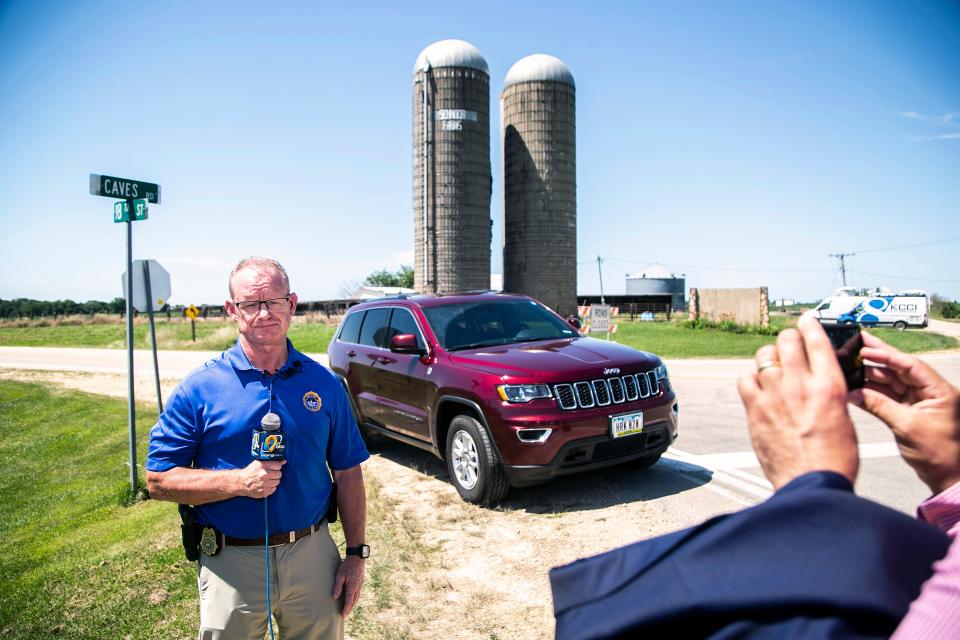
x=275, y=539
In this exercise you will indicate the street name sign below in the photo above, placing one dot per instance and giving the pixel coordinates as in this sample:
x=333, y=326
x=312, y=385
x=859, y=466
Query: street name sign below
x=123, y=188
x=121, y=210
x=159, y=285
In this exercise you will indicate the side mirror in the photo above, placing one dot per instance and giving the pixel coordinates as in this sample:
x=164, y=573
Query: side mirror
x=574, y=322
x=406, y=343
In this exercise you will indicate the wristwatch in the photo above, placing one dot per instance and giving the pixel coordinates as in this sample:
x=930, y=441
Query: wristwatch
x=363, y=551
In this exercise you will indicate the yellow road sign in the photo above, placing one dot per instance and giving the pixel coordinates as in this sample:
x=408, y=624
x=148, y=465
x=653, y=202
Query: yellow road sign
x=191, y=312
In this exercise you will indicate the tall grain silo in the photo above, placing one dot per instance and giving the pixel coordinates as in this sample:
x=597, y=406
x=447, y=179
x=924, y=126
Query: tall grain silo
x=451, y=168
x=538, y=119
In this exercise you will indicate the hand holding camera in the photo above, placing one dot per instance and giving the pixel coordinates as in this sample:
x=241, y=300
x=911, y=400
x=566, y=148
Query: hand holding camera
x=920, y=407
x=796, y=404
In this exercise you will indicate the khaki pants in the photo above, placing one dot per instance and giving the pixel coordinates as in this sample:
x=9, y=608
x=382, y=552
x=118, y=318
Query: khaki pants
x=233, y=599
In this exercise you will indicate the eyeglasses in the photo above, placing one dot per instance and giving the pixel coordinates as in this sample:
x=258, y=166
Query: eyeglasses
x=252, y=307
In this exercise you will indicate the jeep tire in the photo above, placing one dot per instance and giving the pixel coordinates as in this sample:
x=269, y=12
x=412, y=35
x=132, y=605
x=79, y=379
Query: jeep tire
x=473, y=463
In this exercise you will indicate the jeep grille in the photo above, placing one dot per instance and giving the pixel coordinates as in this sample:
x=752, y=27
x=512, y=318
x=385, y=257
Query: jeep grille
x=600, y=393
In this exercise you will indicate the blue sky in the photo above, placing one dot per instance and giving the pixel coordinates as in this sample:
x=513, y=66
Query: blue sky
x=739, y=143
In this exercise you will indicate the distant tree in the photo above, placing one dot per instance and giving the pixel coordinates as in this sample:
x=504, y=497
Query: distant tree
x=944, y=308
x=384, y=278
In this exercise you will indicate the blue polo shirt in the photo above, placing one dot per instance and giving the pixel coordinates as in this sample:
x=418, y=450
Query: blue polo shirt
x=209, y=421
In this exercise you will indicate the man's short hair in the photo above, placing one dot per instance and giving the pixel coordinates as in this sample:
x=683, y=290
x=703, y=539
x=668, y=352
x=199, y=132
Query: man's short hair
x=259, y=262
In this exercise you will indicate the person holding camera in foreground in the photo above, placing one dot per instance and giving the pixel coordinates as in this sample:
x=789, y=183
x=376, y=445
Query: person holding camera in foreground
x=814, y=560
x=262, y=496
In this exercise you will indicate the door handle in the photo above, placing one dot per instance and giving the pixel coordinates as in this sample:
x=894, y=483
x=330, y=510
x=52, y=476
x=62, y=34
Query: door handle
x=384, y=360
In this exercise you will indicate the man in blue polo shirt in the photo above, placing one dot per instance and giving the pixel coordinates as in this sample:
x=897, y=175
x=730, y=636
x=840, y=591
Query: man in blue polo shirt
x=200, y=455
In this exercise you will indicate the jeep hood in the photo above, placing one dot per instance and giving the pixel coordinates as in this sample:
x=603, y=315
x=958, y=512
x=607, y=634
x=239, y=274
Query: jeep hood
x=577, y=358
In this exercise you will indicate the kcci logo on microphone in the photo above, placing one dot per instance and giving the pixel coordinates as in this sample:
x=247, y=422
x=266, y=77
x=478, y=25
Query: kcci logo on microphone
x=270, y=447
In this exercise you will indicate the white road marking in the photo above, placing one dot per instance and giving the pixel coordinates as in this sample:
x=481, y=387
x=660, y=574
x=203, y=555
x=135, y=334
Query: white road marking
x=725, y=469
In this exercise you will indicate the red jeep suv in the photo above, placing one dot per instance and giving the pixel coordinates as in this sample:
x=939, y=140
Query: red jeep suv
x=500, y=387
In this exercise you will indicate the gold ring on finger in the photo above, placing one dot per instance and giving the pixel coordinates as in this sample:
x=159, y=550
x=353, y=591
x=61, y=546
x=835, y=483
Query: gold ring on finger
x=766, y=364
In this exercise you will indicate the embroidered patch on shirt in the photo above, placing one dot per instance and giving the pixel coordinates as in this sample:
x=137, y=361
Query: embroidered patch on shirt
x=312, y=401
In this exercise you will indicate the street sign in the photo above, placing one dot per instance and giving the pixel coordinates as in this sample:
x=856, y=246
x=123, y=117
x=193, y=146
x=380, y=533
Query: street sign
x=600, y=318
x=121, y=210
x=123, y=188
x=192, y=312
x=159, y=285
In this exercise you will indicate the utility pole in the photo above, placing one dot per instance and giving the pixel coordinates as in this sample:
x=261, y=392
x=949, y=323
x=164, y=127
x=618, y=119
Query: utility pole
x=843, y=265
x=600, y=270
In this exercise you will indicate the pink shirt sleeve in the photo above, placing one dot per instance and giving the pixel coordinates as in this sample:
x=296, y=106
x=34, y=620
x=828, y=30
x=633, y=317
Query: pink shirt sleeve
x=935, y=613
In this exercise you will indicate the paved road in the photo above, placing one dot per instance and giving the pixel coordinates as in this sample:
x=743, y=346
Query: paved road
x=713, y=436
x=946, y=328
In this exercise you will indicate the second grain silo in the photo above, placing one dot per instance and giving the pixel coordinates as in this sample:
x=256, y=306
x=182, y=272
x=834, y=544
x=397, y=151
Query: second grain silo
x=451, y=168
x=538, y=119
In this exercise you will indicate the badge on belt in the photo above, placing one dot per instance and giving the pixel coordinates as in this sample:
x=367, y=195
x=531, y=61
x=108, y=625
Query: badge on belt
x=209, y=544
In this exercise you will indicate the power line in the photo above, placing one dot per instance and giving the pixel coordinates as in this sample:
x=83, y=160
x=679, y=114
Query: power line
x=843, y=264
x=911, y=246
x=884, y=275
x=714, y=268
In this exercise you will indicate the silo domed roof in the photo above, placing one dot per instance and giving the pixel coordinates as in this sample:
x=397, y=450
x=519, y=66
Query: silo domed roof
x=452, y=53
x=537, y=68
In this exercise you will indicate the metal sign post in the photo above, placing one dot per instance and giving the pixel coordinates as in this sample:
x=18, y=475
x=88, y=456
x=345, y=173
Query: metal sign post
x=192, y=312
x=133, y=196
x=131, y=405
x=153, y=332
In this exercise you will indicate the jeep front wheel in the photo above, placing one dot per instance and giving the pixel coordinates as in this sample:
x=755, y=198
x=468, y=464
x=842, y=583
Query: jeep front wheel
x=473, y=463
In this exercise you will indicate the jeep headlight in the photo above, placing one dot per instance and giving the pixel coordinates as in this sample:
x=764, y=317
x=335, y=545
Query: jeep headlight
x=523, y=392
x=661, y=373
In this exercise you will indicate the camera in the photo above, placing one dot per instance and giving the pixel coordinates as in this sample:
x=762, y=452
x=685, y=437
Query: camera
x=847, y=342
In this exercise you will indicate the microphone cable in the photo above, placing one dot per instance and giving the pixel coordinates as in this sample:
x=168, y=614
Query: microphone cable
x=266, y=534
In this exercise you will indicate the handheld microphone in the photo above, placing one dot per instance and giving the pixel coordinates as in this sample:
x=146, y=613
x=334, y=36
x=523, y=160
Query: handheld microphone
x=269, y=442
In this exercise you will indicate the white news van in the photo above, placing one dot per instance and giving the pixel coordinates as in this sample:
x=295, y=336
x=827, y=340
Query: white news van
x=880, y=308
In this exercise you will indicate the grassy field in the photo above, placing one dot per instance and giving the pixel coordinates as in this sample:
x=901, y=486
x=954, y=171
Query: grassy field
x=669, y=340
x=212, y=335
x=77, y=564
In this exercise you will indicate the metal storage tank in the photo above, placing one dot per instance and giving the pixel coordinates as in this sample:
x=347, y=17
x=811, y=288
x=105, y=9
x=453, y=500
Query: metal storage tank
x=451, y=168
x=538, y=119
x=657, y=282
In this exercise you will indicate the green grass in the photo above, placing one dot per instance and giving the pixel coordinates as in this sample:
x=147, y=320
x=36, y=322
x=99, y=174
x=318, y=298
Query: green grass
x=212, y=335
x=670, y=340
x=311, y=337
x=76, y=564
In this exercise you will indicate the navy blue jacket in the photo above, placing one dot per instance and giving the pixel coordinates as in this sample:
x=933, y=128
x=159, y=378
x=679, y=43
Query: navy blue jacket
x=813, y=561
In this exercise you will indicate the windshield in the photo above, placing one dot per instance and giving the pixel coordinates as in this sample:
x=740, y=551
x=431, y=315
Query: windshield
x=488, y=323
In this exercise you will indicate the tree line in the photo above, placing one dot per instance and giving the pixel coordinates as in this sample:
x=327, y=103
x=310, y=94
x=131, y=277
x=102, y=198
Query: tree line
x=28, y=308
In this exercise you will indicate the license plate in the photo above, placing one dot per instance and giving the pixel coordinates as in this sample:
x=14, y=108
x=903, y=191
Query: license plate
x=626, y=424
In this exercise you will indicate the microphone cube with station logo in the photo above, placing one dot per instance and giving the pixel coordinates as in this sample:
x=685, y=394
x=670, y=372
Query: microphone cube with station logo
x=269, y=442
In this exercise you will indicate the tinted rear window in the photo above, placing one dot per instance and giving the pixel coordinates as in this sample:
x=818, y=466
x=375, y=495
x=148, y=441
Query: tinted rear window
x=351, y=327
x=374, y=330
